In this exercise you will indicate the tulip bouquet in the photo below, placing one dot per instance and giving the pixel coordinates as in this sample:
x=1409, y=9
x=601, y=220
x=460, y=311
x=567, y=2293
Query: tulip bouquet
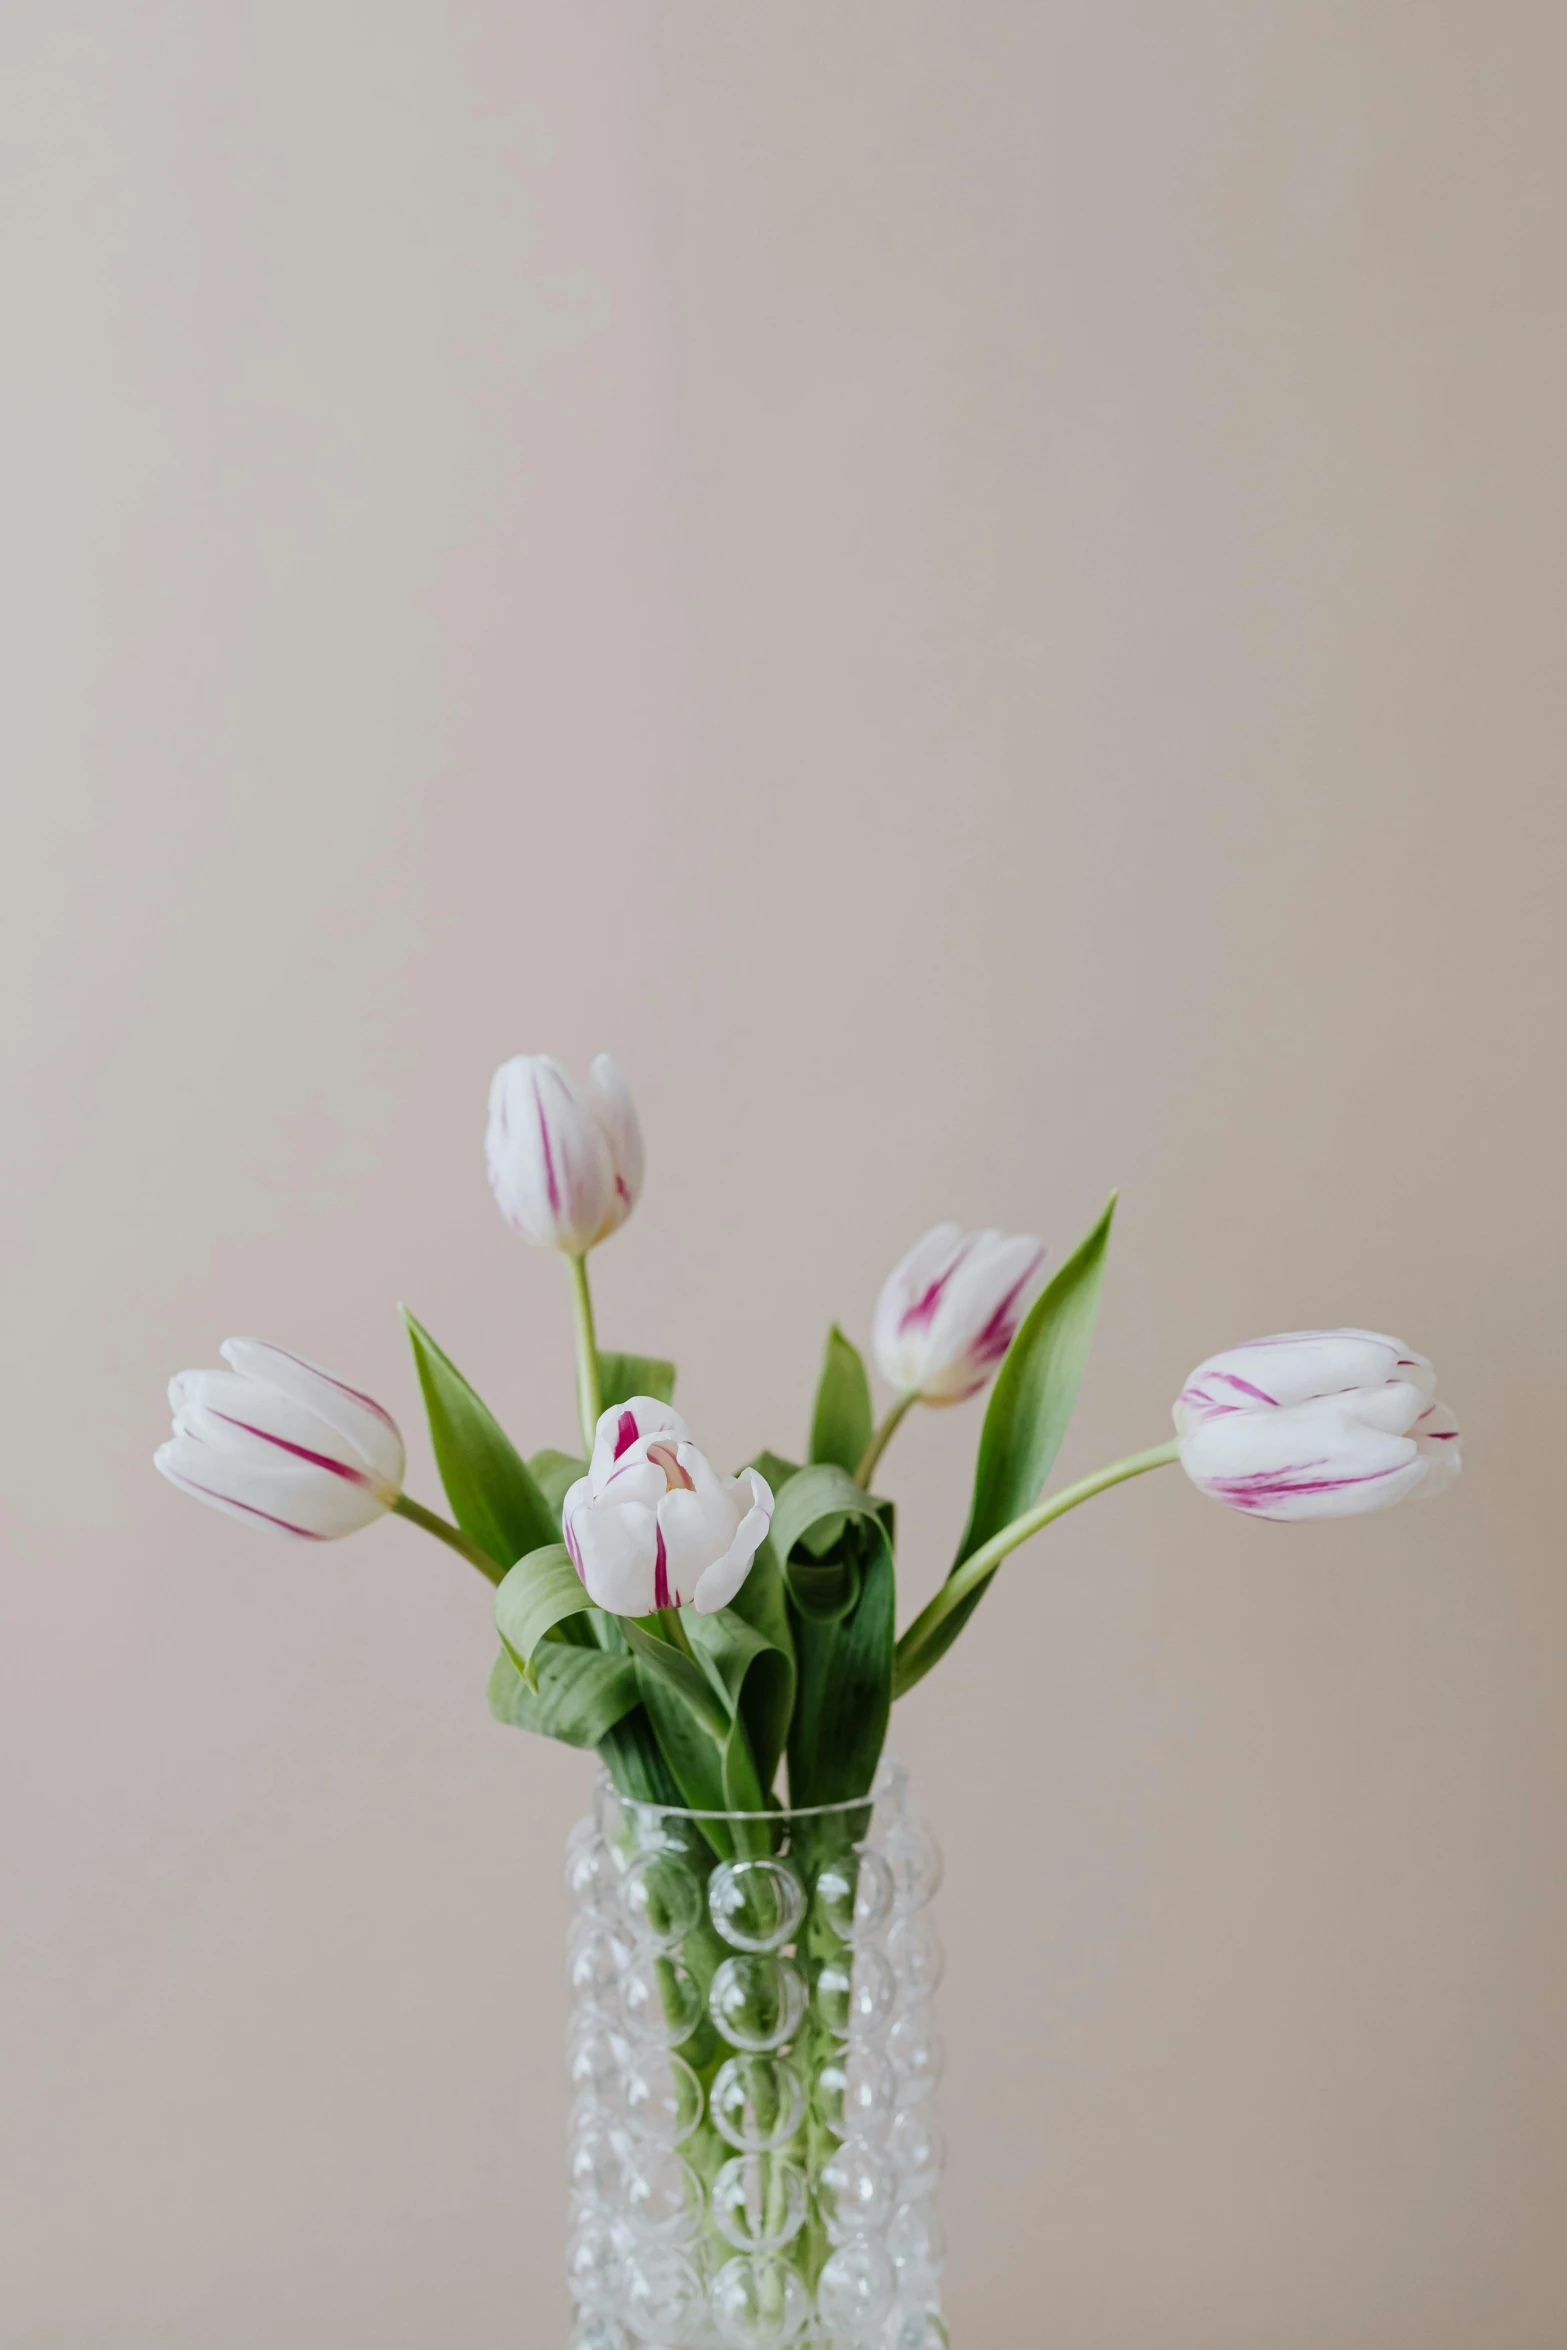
x=703, y=1629
x=698, y=1627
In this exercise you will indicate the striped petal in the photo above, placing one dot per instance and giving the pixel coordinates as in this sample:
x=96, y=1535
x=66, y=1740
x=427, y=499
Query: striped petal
x=1265, y=1373
x=1436, y=1433
x=358, y=1419
x=609, y=1097
x=616, y=1548
x=1309, y=1460
x=950, y=1309
x=549, y=1153
x=659, y=1527
x=626, y=1425
x=282, y=1444
x=293, y=1500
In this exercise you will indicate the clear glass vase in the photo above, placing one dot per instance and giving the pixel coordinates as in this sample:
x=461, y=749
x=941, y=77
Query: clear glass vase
x=754, y=2152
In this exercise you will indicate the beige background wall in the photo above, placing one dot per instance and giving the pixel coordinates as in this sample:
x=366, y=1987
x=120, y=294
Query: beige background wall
x=977, y=590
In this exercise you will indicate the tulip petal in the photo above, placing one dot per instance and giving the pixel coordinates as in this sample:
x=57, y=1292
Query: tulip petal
x=294, y=1498
x=575, y=1499
x=548, y=1162
x=635, y=1478
x=698, y=1525
x=906, y=1301
x=1309, y=1460
x=250, y=1420
x=358, y=1419
x=615, y=1547
x=279, y=1441
x=950, y=1309
x=718, y=1583
x=1436, y=1433
x=624, y=1426
x=1264, y=1373
x=1394, y=1406
x=609, y=1098
x=977, y=1318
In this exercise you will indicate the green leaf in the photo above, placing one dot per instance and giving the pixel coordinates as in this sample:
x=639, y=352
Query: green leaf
x=634, y=1759
x=775, y=1469
x=611, y=1705
x=845, y=1667
x=539, y=1593
x=631, y=1752
x=812, y=1513
x=821, y=1491
x=693, y=1760
x=1028, y=1411
x=581, y=1698
x=1036, y=1390
x=767, y=1692
x=493, y=1498
x=842, y=1423
x=841, y=1613
x=754, y=1673
x=687, y=1717
x=555, y=1473
x=677, y=1673
x=623, y=1376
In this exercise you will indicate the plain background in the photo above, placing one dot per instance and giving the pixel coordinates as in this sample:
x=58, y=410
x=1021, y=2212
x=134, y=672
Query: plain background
x=976, y=590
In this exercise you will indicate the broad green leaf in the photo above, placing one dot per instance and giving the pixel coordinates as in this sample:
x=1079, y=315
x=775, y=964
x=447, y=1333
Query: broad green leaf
x=1028, y=1411
x=842, y=1422
x=703, y=1740
x=630, y=1752
x=494, y=1499
x=623, y=1376
x=1036, y=1390
x=813, y=1512
x=775, y=1469
x=555, y=1473
x=841, y=1613
x=754, y=1673
x=539, y=1593
x=691, y=1747
x=826, y=1589
x=845, y=1699
x=820, y=1492
x=581, y=1698
x=693, y=1760
x=767, y=1692
x=677, y=1672
x=635, y=1761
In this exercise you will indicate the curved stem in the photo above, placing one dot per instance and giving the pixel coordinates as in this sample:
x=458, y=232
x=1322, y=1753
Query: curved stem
x=966, y=1581
x=589, y=1405
x=882, y=1438
x=453, y=1536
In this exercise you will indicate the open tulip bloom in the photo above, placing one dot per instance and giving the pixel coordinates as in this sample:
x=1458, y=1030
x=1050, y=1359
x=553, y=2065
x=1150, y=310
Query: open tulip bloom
x=701, y=1628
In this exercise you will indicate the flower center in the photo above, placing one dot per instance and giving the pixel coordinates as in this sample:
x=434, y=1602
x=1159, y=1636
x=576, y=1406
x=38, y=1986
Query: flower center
x=676, y=1479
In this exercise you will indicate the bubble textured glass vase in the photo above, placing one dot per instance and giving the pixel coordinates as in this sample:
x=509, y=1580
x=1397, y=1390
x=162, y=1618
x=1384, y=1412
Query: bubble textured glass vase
x=754, y=2153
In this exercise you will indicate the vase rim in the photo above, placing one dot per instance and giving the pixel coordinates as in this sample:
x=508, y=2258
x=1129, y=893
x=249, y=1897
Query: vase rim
x=890, y=1776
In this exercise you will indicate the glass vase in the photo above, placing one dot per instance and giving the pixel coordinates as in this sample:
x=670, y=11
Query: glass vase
x=754, y=2153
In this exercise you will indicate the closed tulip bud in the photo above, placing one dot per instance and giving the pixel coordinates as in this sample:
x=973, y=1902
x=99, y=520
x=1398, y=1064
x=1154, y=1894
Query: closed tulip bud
x=1318, y=1424
x=653, y=1524
x=949, y=1311
x=565, y=1166
x=281, y=1443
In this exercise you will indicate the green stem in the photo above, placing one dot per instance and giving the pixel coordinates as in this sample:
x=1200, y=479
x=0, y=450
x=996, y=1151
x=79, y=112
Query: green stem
x=882, y=1438
x=453, y=1536
x=675, y=1632
x=976, y=1571
x=588, y=1404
